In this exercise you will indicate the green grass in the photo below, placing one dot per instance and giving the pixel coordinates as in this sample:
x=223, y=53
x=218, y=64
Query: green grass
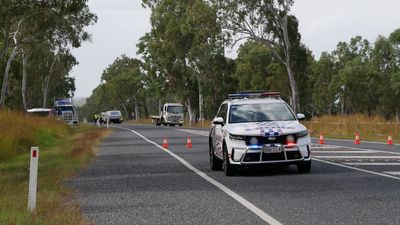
x=18, y=132
x=61, y=158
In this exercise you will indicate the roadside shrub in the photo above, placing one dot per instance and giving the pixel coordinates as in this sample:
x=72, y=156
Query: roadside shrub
x=18, y=132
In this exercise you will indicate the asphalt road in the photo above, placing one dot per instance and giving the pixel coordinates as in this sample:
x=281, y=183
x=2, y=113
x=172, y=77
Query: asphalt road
x=133, y=181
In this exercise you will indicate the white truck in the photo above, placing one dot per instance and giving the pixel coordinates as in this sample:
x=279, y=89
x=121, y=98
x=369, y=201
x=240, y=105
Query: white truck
x=171, y=113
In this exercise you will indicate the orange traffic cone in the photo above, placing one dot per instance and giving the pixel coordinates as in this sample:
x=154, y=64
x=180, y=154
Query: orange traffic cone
x=165, y=143
x=357, y=140
x=390, y=140
x=189, y=143
x=321, y=139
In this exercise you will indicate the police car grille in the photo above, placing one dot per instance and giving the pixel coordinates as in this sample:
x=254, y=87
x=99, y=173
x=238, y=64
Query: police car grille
x=273, y=156
x=268, y=140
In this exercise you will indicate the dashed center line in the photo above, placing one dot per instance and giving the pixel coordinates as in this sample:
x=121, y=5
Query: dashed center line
x=356, y=157
x=373, y=164
x=396, y=173
x=344, y=152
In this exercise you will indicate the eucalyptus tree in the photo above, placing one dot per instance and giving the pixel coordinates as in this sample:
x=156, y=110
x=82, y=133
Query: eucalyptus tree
x=185, y=52
x=125, y=84
x=267, y=22
x=59, y=23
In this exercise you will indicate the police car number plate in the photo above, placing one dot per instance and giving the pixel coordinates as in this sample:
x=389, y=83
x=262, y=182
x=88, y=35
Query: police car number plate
x=272, y=148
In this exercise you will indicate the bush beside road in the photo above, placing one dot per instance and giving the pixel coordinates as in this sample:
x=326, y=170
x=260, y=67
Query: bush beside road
x=64, y=152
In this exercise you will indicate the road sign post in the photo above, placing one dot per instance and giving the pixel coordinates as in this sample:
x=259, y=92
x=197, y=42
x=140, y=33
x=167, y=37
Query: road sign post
x=33, y=172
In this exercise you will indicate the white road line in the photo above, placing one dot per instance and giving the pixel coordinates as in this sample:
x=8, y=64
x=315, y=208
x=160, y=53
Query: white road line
x=197, y=132
x=344, y=151
x=326, y=147
x=367, y=149
x=358, y=169
x=396, y=173
x=368, y=142
x=356, y=157
x=372, y=164
x=264, y=216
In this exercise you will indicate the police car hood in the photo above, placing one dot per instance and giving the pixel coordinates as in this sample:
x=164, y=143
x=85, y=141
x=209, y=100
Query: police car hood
x=273, y=128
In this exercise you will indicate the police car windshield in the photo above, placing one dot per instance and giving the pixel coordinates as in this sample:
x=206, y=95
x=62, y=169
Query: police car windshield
x=175, y=109
x=260, y=113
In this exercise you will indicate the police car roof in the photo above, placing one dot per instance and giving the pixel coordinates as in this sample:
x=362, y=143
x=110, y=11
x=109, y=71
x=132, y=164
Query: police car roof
x=244, y=101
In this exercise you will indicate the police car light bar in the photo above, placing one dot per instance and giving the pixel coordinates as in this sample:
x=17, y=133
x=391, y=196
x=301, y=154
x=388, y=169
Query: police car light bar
x=254, y=95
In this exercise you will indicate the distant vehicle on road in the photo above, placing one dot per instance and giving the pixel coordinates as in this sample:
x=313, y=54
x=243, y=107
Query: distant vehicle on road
x=171, y=113
x=64, y=110
x=39, y=112
x=113, y=116
x=256, y=129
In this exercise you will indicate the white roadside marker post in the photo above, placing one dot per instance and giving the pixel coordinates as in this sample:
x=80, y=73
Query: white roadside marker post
x=108, y=122
x=33, y=172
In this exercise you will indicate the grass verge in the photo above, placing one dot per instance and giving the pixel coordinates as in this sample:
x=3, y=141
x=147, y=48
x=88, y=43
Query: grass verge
x=59, y=161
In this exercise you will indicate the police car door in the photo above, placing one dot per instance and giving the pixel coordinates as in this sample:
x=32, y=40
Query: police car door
x=218, y=131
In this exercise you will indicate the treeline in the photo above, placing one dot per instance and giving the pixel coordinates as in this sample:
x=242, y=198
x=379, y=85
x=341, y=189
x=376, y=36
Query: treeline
x=35, y=43
x=183, y=60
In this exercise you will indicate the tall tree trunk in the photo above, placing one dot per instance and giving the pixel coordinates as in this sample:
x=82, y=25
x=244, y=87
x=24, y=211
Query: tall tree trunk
x=24, y=77
x=7, y=70
x=136, y=110
x=6, y=75
x=200, y=101
x=288, y=64
x=192, y=112
x=46, y=83
x=146, y=110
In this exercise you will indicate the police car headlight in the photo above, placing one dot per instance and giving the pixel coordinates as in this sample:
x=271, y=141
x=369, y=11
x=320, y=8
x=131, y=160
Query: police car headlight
x=290, y=139
x=236, y=137
x=302, y=134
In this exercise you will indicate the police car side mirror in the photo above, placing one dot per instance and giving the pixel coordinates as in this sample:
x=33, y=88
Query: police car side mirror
x=218, y=120
x=301, y=116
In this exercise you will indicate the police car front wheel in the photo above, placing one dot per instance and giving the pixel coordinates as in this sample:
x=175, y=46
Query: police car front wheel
x=215, y=163
x=304, y=167
x=229, y=169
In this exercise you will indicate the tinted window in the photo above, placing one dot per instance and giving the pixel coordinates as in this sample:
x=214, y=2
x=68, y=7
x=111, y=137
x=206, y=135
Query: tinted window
x=223, y=111
x=175, y=109
x=60, y=109
x=260, y=113
x=115, y=113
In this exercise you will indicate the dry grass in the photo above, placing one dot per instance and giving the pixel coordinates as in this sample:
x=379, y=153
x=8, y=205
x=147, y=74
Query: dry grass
x=59, y=161
x=18, y=132
x=369, y=128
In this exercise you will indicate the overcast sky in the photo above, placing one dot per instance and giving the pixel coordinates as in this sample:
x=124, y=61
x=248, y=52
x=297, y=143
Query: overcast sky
x=323, y=23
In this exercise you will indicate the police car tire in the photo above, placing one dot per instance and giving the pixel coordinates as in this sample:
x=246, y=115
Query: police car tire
x=229, y=169
x=215, y=163
x=304, y=167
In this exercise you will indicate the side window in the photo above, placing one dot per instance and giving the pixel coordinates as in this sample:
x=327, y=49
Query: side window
x=222, y=111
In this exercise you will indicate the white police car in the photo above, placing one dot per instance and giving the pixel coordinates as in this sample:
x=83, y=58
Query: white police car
x=256, y=129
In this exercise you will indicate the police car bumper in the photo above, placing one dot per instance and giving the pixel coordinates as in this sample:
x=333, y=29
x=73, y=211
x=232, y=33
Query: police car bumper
x=287, y=154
